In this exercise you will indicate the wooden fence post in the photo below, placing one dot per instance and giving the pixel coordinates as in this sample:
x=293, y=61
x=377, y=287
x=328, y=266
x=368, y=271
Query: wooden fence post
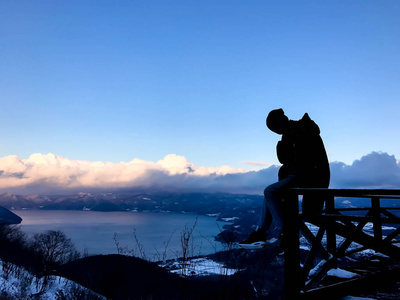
x=330, y=233
x=376, y=213
x=292, y=284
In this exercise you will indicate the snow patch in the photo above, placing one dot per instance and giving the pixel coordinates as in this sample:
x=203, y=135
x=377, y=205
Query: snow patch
x=198, y=267
x=212, y=215
x=340, y=273
x=356, y=298
x=378, y=254
x=229, y=219
x=271, y=241
x=26, y=286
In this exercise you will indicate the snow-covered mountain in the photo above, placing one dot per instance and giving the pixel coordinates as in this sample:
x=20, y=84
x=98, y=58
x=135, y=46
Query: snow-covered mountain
x=201, y=203
x=17, y=283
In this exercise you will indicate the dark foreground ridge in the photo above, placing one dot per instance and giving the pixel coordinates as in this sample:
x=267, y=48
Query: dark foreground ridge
x=123, y=277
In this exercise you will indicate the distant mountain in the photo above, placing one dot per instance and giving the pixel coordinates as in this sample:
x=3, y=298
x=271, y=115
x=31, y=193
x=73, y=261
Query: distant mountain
x=225, y=205
x=222, y=204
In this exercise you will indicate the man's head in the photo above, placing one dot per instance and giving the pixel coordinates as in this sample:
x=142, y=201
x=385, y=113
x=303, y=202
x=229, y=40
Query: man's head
x=277, y=121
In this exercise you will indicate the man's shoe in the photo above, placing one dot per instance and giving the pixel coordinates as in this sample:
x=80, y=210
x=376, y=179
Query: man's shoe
x=256, y=240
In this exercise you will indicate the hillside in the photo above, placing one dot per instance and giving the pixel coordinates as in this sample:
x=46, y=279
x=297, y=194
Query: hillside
x=123, y=277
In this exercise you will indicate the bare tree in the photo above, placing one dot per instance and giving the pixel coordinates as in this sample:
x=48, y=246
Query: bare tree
x=55, y=247
x=12, y=233
x=187, y=247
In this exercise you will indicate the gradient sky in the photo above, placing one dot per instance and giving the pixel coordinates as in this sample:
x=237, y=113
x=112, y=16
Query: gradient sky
x=112, y=81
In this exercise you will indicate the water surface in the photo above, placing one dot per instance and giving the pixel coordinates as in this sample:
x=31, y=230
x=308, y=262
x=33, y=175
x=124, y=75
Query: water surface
x=94, y=231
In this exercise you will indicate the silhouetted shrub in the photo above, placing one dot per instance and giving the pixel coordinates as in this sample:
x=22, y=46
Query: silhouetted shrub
x=16, y=249
x=54, y=247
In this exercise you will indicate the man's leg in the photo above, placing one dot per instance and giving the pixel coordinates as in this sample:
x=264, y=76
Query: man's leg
x=272, y=207
x=272, y=211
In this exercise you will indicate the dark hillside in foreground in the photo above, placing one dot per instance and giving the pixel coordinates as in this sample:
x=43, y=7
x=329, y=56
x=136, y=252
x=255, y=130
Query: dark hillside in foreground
x=123, y=277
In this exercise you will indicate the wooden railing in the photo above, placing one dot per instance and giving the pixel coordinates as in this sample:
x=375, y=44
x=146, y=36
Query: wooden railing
x=338, y=229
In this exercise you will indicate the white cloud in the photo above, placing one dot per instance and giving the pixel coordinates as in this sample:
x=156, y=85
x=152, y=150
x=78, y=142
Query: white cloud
x=49, y=173
x=258, y=163
x=176, y=164
x=375, y=170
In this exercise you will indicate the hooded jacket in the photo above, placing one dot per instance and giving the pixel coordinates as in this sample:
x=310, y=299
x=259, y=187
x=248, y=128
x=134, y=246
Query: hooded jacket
x=302, y=153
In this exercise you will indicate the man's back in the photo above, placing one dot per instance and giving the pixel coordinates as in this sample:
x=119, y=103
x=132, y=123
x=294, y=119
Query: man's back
x=302, y=153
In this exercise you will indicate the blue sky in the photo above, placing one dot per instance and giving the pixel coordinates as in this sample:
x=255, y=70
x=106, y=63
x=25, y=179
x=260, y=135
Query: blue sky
x=111, y=81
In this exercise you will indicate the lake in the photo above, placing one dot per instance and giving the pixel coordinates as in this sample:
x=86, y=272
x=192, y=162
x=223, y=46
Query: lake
x=94, y=232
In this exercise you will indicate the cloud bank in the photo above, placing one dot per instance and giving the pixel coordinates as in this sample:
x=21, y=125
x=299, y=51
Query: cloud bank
x=50, y=173
x=375, y=170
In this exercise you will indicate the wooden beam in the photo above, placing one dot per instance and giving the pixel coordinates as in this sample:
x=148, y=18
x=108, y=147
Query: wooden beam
x=376, y=214
x=357, y=193
x=366, y=240
x=291, y=242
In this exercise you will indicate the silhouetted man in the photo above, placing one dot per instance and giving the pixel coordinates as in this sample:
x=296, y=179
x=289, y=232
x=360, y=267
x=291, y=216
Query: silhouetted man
x=304, y=164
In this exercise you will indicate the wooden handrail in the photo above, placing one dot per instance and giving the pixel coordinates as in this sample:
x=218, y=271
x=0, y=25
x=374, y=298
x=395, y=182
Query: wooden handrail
x=361, y=193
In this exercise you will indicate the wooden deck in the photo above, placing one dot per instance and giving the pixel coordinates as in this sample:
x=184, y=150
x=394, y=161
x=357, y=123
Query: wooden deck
x=340, y=232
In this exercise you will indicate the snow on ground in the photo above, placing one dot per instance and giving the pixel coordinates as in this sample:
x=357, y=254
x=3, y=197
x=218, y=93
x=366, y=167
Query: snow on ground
x=380, y=255
x=356, y=298
x=20, y=284
x=340, y=273
x=229, y=219
x=213, y=215
x=198, y=267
